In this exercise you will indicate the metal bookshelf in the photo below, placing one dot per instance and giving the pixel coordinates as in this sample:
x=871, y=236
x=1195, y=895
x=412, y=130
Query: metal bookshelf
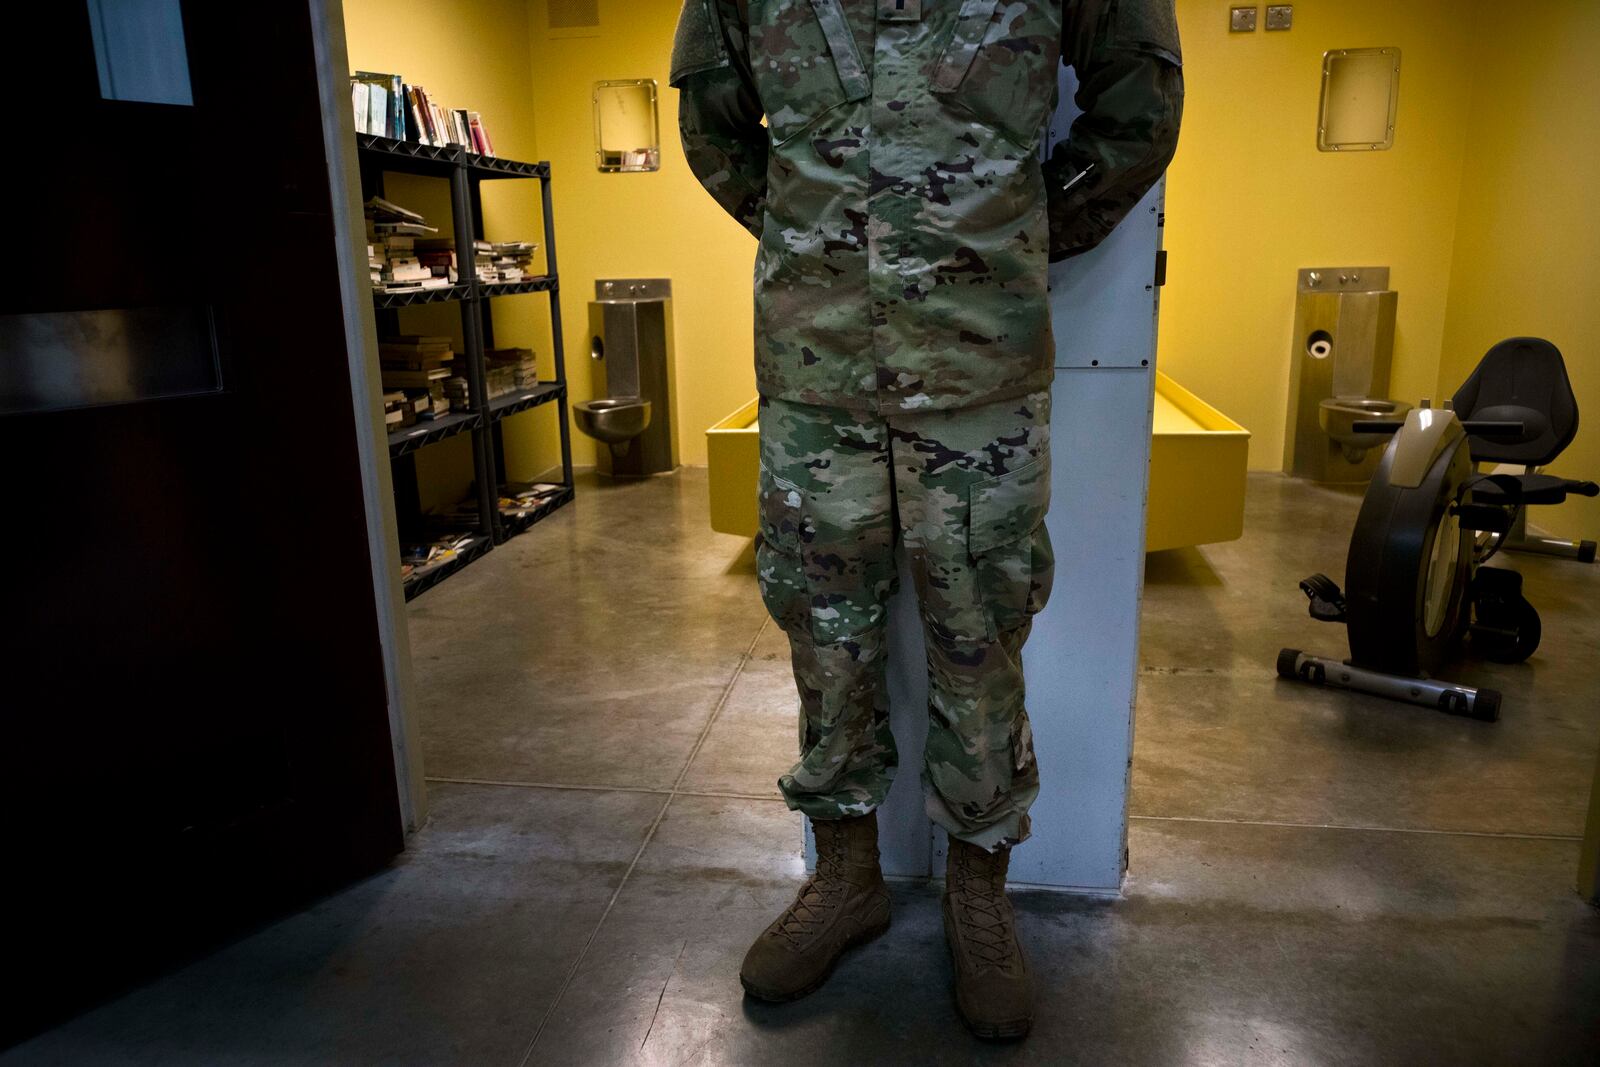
x=484, y=417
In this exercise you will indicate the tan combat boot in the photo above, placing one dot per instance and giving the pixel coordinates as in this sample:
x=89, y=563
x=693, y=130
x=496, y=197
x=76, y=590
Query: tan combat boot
x=994, y=990
x=844, y=903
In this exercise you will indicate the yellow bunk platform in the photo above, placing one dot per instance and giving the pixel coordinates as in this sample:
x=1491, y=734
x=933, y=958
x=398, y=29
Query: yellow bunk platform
x=1198, y=458
x=733, y=455
x=1197, y=468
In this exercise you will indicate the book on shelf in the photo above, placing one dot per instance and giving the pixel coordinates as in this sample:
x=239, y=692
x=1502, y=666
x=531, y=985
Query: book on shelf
x=392, y=258
x=428, y=403
x=479, y=133
x=385, y=105
x=397, y=414
x=520, y=362
x=404, y=229
x=412, y=379
x=504, y=261
x=378, y=101
x=517, y=499
x=403, y=363
x=428, y=355
x=423, y=556
x=380, y=210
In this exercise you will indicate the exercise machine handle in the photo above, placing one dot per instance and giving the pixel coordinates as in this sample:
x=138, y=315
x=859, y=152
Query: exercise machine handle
x=1486, y=428
x=1582, y=488
x=1475, y=427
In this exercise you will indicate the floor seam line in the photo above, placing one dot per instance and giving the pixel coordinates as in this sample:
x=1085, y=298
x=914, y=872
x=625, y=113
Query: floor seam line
x=722, y=702
x=589, y=787
x=1512, y=835
x=583, y=953
x=580, y=786
x=649, y=836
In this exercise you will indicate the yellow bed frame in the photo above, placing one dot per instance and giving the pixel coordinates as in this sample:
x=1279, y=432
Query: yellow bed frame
x=1197, y=467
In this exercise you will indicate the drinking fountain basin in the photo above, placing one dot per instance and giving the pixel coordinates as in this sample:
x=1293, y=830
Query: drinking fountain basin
x=614, y=420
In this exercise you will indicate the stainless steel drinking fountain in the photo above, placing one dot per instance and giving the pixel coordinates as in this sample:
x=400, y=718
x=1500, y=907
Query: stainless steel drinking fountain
x=1339, y=359
x=630, y=349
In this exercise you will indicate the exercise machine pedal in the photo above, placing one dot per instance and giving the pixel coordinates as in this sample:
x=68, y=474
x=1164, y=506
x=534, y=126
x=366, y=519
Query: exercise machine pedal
x=1327, y=599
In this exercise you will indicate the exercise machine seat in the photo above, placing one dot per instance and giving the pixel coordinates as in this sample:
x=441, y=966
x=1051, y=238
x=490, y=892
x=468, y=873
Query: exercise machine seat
x=1521, y=379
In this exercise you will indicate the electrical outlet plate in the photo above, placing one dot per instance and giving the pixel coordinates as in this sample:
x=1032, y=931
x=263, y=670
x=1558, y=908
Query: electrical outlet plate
x=1242, y=20
x=1280, y=16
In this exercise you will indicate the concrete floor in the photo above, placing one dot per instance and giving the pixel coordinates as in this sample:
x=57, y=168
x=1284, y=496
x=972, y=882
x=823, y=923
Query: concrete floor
x=1316, y=877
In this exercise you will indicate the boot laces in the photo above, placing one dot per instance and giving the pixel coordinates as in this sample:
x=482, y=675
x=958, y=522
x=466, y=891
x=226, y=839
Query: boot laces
x=986, y=919
x=819, y=897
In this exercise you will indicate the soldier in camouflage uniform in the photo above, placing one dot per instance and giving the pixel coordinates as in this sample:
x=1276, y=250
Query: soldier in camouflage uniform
x=904, y=357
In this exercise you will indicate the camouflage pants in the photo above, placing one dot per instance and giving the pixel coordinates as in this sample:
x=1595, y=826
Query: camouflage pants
x=965, y=492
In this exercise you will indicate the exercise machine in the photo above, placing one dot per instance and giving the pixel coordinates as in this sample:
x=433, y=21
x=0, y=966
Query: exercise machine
x=1417, y=587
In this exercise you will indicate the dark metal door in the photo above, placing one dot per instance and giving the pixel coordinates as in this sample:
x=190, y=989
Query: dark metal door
x=192, y=721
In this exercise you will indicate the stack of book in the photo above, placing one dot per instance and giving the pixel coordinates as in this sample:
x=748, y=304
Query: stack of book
x=419, y=368
x=504, y=261
x=519, y=499
x=397, y=414
x=387, y=107
x=496, y=261
x=438, y=254
x=419, y=557
x=510, y=369
x=513, y=259
x=391, y=249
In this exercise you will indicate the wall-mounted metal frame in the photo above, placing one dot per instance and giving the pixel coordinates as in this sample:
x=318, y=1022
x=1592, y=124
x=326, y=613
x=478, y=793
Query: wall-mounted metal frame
x=626, y=114
x=1360, y=97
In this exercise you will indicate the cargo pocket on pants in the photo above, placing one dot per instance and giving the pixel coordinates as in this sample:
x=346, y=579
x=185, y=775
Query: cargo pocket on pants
x=1010, y=546
x=779, y=569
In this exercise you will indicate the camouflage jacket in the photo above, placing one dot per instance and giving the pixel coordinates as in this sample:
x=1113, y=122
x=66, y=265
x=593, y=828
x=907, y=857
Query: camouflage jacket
x=904, y=217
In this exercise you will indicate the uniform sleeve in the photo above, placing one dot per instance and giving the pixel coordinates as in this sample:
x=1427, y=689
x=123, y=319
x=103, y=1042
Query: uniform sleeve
x=719, y=115
x=1130, y=89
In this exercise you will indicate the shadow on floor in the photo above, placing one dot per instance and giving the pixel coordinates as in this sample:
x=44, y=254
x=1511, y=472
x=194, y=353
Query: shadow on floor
x=1314, y=877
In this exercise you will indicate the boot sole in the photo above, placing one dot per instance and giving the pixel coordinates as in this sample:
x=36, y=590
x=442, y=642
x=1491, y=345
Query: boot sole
x=863, y=936
x=1012, y=1030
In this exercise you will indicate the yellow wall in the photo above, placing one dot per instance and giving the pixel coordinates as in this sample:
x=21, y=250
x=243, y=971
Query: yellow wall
x=1499, y=94
x=642, y=225
x=1250, y=199
x=496, y=56
x=473, y=54
x=1529, y=217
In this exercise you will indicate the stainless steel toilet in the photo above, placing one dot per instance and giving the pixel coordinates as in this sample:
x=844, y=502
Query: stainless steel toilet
x=614, y=420
x=1343, y=344
x=630, y=350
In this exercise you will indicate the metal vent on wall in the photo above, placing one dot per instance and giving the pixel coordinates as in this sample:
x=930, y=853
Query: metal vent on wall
x=572, y=14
